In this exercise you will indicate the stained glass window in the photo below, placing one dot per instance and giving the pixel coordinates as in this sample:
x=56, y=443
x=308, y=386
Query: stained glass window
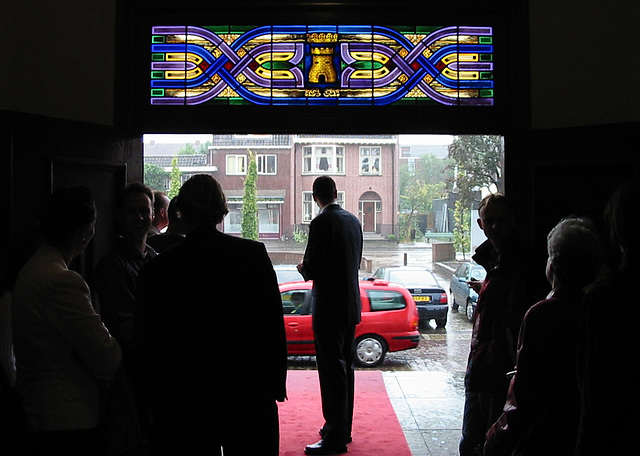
x=322, y=65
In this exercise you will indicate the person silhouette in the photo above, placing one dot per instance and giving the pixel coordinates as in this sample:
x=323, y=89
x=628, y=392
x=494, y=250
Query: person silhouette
x=541, y=413
x=115, y=279
x=606, y=353
x=174, y=233
x=63, y=351
x=510, y=287
x=332, y=259
x=205, y=388
x=116, y=273
x=160, y=213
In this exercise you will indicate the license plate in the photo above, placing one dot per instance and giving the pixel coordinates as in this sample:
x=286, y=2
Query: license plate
x=422, y=298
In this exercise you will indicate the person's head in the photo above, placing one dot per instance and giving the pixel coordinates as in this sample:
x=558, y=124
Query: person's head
x=160, y=207
x=623, y=218
x=201, y=201
x=175, y=224
x=324, y=190
x=68, y=219
x=496, y=218
x=135, y=211
x=575, y=254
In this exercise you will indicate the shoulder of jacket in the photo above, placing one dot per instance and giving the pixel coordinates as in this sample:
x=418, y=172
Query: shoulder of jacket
x=67, y=277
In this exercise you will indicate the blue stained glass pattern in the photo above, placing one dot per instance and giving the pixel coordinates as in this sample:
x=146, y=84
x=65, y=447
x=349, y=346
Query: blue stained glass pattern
x=322, y=65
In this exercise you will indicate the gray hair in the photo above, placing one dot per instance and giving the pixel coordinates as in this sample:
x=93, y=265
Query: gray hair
x=575, y=251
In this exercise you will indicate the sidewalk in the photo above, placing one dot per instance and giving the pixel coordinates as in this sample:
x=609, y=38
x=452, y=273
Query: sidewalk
x=429, y=407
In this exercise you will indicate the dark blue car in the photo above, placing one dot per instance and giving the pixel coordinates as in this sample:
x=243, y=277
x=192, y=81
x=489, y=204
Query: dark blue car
x=430, y=298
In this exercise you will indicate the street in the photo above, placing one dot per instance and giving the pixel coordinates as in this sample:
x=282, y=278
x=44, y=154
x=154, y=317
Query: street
x=440, y=350
x=425, y=384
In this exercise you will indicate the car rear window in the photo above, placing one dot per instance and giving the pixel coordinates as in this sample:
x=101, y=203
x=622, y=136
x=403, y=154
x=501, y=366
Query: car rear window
x=413, y=279
x=386, y=300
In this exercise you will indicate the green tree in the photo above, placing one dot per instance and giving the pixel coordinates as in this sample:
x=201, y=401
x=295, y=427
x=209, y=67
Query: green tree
x=480, y=163
x=188, y=149
x=417, y=198
x=434, y=170
x=249, y=201
x=204, y=148
x=462, y=228
x=174, y=181
x=419, y=186
x=154, y=176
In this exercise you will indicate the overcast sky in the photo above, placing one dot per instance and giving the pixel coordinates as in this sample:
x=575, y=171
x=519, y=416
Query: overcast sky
x=424, y=140
x=405, y=140
x=177, y=139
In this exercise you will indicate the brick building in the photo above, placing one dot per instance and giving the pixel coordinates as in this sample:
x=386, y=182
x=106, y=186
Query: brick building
x=365, y=169
x=230, y=155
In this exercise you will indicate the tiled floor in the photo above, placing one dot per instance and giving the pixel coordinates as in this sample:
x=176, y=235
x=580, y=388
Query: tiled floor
x=429, y=407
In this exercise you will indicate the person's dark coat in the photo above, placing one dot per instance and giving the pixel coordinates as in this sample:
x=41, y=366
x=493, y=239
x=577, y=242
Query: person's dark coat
x=510, y=288
x=332, y=260
x=209, y=334
x=606, y=373
x=541, y=413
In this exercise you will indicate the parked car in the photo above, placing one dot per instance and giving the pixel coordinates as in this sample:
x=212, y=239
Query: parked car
x=430, y=298
x=461, y=293
x=287, y=273
x=389, y=321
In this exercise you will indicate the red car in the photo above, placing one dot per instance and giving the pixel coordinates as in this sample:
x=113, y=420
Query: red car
x=389, y=320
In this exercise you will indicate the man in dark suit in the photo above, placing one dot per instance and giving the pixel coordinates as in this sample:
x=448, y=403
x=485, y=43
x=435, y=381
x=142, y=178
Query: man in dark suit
x=209, y=333
x=332, y=260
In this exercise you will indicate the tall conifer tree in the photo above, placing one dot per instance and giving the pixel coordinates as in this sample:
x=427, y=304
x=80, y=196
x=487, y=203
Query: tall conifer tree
x=249, y=201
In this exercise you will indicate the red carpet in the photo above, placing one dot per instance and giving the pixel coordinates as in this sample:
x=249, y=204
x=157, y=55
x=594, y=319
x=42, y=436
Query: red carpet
x=376, y=430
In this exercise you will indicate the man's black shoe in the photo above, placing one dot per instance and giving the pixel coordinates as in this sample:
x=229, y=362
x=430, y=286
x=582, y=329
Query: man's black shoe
x=322, y=447
x=321, y=432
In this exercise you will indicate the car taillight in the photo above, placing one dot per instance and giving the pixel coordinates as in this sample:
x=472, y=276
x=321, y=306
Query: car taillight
x=414, y=323
x=443, y=298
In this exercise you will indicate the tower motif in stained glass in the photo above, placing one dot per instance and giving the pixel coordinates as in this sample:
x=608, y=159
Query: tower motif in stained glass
x=322, y=65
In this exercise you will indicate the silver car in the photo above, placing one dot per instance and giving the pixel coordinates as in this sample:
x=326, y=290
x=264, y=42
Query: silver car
x=461, y=293
x=287, y=273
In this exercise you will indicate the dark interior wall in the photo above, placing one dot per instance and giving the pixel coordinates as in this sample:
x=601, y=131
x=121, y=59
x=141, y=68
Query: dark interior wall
x=584, y=124
x=40, y=154
x=58, y=58
x=584, y=62
x=569, y=171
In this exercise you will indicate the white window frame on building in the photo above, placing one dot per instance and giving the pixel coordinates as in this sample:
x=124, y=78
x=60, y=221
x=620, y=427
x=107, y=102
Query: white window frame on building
x=310, y=209
x=323, y=159
x=233, y=220
x=370, y=160
x=268, y=216
x=237, y=159
x=267, y=164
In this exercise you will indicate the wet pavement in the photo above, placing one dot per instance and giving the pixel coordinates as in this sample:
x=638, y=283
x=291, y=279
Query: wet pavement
x=426, y=387
x=425, y=384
